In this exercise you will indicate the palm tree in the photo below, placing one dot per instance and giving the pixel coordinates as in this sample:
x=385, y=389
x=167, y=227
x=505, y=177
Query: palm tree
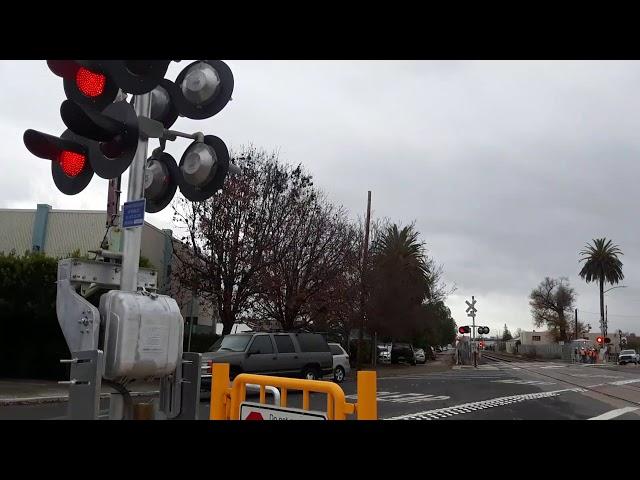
x=603, y=265
x=403, y=247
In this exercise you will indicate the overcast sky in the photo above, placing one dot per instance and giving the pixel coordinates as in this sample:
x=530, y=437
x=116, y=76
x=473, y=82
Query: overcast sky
x=508, y=168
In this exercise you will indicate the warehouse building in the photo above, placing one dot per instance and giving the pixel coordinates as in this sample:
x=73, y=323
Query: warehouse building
x=59, y=233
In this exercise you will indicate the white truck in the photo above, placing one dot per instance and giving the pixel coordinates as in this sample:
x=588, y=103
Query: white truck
x=628, y=356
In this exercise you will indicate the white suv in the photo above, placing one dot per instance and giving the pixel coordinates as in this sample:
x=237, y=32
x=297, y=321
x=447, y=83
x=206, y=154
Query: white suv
x=626, y=356
x=341, y=365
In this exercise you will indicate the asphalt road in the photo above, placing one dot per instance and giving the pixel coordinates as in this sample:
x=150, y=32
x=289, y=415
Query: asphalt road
x=494, y=390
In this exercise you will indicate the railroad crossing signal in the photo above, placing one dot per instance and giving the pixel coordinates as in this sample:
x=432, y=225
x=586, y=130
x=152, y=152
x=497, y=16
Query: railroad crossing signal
x=483, y=330
x=103, y=129
x=599, y=340
x=471, y=308
x=465, y=329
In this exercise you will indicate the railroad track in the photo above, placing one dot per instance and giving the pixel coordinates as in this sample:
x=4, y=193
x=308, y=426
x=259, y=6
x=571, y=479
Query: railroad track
x=497, y=357
x=493, y=357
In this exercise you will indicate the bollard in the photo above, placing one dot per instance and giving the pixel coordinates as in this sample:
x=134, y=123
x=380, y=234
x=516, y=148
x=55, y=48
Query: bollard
x=219, y=386
x=367, y=406
x=143, y=411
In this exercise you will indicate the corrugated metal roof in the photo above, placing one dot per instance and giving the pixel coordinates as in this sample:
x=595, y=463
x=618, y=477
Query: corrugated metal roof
x=68, y=231
x=16, y=228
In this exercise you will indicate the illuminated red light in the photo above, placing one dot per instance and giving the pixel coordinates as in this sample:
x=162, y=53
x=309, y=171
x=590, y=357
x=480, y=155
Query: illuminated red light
x=90, y=83
x=72, y=163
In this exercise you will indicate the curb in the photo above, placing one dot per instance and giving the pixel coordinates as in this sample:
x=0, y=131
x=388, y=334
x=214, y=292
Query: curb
x=61, y=398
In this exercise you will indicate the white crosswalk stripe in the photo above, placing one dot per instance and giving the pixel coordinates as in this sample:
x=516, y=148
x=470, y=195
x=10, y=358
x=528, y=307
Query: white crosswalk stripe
x=523, y=382
x=399, y=397
x=481, y=405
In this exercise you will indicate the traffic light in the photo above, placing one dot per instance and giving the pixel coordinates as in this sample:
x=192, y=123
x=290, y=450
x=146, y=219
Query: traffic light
x=96, y=83
x=161, y=179
x=68, y=153
x=113, y=134
x=86, y=82
x=465, y=329
x=202, y=89
x=104, y=130
x=136, y=76
x=599, y=340
x=483, y=330
x=203, y=168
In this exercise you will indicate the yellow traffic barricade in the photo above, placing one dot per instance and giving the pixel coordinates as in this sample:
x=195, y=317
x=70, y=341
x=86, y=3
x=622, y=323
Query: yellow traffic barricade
x=227, y=397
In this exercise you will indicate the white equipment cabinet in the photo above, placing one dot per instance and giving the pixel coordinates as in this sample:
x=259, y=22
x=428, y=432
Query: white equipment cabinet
x=141, y=334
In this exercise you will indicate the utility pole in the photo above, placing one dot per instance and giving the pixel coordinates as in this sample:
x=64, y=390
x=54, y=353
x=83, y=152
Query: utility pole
x=365, y=252
x=577, y=333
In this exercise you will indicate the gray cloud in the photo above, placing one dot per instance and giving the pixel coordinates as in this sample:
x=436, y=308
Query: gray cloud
x=508, y=168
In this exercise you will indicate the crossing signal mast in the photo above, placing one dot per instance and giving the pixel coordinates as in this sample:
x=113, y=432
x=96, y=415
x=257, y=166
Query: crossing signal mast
x=135, y=333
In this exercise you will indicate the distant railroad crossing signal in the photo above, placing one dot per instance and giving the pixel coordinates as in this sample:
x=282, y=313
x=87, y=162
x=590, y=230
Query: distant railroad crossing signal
x=465, y=329
x=483, y=330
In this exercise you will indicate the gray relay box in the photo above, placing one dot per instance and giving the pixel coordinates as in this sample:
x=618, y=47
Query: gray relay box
x=141, y=334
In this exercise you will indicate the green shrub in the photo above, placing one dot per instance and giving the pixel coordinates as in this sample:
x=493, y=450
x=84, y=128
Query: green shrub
x=31, y=341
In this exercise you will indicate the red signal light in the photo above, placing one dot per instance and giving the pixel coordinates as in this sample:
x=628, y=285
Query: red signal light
x=461, y=330
x=90, y=83
x=599, y=339
x=72, y=163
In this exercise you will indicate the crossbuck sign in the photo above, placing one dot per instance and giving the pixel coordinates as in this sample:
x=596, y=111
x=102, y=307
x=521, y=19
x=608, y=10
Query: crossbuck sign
x=471, y=309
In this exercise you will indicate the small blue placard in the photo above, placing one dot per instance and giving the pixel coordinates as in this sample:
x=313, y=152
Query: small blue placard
x=133, y=213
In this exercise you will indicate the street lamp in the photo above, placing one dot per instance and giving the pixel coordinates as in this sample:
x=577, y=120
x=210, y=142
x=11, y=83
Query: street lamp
x=606, y=316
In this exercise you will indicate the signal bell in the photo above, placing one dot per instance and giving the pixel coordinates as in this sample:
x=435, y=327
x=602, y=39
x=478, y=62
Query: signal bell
x=70, y=168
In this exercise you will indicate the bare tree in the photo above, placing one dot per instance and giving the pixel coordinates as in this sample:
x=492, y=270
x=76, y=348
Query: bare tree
x=237, y=233
x=551, y=302
x=308, y=271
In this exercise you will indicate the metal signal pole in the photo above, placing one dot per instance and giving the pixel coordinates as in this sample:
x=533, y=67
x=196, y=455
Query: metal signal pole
x=365, y=252
x=135, y=191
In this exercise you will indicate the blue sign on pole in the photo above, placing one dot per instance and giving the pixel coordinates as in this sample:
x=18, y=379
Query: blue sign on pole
x=133, y=213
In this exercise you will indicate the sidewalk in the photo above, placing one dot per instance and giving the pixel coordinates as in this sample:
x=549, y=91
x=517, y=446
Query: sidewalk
x=23, y=392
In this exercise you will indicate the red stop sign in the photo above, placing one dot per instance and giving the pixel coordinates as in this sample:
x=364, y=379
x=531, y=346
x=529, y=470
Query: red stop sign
x=254, y=416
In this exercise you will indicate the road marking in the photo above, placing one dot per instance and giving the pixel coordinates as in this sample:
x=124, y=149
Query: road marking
x=399, y=397
x=624, y=382
x=523, y=382
x=481, y=405
x=614, y=413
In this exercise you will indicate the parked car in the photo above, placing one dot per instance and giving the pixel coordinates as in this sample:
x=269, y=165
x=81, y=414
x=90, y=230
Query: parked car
x=439, y=349
x=420, y=356
x=628, y=356
x=403, y=352
x=305, y=355
x=384, y=355
x=341, y=366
